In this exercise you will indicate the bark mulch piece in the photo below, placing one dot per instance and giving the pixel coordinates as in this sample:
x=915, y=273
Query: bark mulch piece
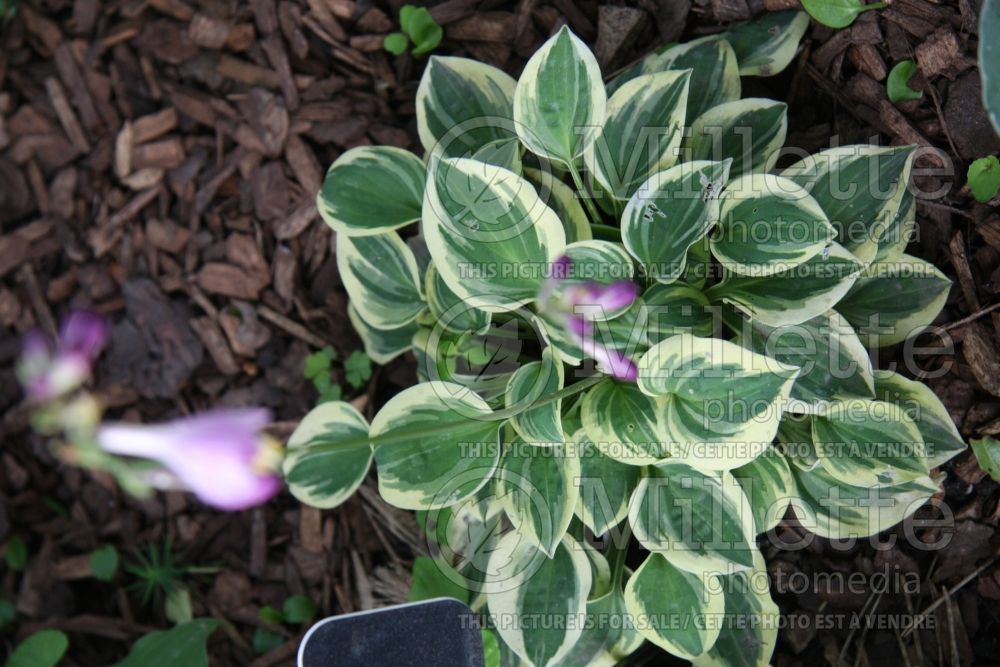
x=159, y=162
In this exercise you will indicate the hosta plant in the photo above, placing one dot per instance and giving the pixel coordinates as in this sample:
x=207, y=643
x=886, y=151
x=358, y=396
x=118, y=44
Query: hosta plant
x=637, y=344
x=989, y=59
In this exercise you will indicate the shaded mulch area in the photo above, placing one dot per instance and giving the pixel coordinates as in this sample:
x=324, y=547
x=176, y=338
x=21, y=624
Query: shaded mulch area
x=158, y=162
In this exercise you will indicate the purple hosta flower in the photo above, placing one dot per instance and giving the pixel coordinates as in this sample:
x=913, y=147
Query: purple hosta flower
x=575, y=300
x=221, y=455
x=48, y=371
x=616, y=363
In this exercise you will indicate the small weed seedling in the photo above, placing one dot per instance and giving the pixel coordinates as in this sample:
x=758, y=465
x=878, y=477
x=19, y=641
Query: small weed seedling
x=418, y=28
x=357, y=370
x=297, y=610
x=897, y=86
x=984, y=178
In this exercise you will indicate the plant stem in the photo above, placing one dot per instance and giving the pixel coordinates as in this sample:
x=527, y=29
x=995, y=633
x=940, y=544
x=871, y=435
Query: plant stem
x=618, y=558
x=408, y=434
x=578, y=182
x=571, y=390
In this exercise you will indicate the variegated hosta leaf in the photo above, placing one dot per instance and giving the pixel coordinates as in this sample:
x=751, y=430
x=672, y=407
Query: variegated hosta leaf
x=541, y=425
x=699, y=265
x=452, y=452
x=751, y=131
x=767, y=483
x=714, y=72
x=835, y=365
x=600, y=262
x=346, y=200
x=560, y=102
x=463, y=106
x=418, y=247
x=629, y=640
x=466, y=535
x=670, y=213
x=710, y=368
x=793, y=296
x=835, y=510
x=382, y=345
x=625, y=334
x=700, y=522
x=551, y=588
x=481, y=362
x=489, y=234
x=869, y=443
x=450, y=311
x=989, y=59
x=676, y=610
x=622, y=422
x=554, y=333
x=485, y=505
x=563, y=200
x=766, y=44
x=892, y=301
x=900, y=231
x=326, y=478
x=506, y=154
x=539, y=491
x=942, y=440
x=749, y=630
x=677, y=308
x=768, y=225
x=722, y=403
x=600, y=571
x=641, y=134
x=608, y=635
x=571, y=420
x=795, y=436
x=381, y=276
x=718, y=434
x=605, y=486
x=859, y=187
x=604, y=232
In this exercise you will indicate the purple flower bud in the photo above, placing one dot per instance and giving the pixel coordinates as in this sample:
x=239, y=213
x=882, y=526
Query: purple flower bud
x=603, y=298
x=47, y=373
x=34, y=364
x=620, y=366
x=562, y=267
x=560, y=271
x=578, y=327
x=615, y=363
x=83, y=333
x=36, y=347
x=611, y=297
x=221, y=455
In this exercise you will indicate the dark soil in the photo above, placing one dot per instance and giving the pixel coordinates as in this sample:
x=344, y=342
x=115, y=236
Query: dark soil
x=158, y=162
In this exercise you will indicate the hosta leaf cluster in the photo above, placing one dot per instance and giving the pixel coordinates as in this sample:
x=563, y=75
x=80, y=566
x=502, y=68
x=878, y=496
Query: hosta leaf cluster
x=703, y=367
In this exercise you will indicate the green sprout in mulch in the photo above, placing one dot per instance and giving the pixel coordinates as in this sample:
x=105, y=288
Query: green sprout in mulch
x=418, y=28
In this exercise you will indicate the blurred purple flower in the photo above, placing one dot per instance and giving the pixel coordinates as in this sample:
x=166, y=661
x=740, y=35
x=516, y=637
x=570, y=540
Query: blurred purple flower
x=221, y=456
x=48, y=371
x=577, y=299
x=84, y=333
x=617, y=295
x=616, y=363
